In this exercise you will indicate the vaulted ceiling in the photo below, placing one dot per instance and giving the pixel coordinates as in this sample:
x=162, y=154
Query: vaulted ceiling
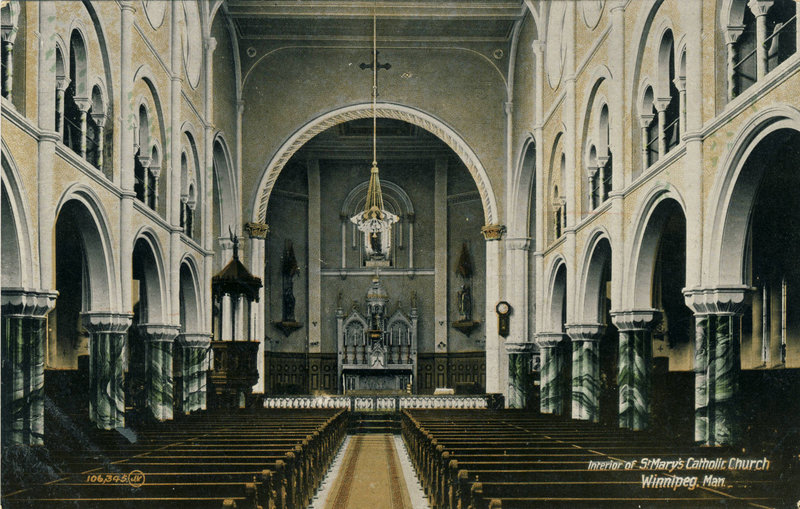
x=423, y=22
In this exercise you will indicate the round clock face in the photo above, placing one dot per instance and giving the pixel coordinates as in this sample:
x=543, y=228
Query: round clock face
x=556, y=43
x=502, y=308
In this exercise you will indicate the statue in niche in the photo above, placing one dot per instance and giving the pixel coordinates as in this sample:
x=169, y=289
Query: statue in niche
x=289, y=270
x=465, y=323
x=465, y=303
x=464, y=295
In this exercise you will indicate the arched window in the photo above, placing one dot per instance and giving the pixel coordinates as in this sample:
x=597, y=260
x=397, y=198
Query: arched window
x=594, y=178
x=141, y=158
x=154, y=171
x=558, y=213
x=752, y=53
x=604, y=155
x=668, y=100
x=649, y=124
x=62, y=82
x=76, y=102
x=95, y=130
x=781, y=24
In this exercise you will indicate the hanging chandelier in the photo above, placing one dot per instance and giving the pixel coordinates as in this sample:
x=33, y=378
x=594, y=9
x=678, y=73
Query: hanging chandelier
x=375, y=221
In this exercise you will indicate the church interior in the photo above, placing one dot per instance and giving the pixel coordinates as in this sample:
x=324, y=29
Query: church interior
x=392, y=253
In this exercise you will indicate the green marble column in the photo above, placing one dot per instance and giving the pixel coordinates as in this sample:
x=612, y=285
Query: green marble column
x=520, y=379
x=552, y=393
x=635, y=367
x=585, y=371
x=717, y=363
x=196, y=351
x=158, y=369
x=107, y=341
x=23, y=333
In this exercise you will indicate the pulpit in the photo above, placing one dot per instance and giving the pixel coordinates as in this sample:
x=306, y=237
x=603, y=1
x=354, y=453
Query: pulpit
x=377, y=353
x=234, y=370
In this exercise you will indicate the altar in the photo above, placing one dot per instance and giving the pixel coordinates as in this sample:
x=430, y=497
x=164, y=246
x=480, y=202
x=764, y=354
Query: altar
x=377, y=353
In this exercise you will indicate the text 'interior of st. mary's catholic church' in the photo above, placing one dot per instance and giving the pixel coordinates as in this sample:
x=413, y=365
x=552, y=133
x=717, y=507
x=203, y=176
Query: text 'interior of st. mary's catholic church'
x=476, y=253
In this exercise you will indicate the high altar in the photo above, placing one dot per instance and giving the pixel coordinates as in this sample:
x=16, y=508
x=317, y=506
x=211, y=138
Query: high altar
x=377, y=353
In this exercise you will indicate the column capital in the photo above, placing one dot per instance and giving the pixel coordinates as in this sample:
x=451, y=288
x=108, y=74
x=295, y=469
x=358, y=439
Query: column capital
x=508, y=107
x=210, y=44
x=127, y=5
x=83, y=104
x=723, y=300
x=538, y=47
x=493, y=231
x=519, y=347
x=62, y=83
x=661, y=103
x=519, y=244
x=680, y=83
x=634, y=319
x=155, y=170
x=106, y=321
x=144, y=161
x=585, y=332
x=645, y=119
x=27, y=302
x=257, y=230
x=99, y=119
x=548, y=339
x=158, y=332
x=760, y=7
x=194, y=339
x=732, y=33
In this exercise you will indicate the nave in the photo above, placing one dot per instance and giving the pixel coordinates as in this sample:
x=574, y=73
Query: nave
x=476, y=459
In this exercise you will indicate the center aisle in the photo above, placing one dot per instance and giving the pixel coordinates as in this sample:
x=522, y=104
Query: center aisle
x=370, y=476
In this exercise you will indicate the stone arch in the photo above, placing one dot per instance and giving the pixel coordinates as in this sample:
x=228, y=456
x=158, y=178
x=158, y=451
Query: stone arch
x=190, y=306
x=558, y=295
x=596, y=259
x=653, y=213
x=78, y=61
x=733, y=195
x=92, y=223
x=148, y=262
x=225, y=182
x=384, y=110
x=524, y=190
x=17, y=266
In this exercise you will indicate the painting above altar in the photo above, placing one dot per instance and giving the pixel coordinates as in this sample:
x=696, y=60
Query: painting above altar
x=377, y=352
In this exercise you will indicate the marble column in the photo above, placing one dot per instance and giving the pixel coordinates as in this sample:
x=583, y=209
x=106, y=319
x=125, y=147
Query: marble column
x=100, y=120
x=24, y=330
x=717, y=363
x=107, y=337
x=158, y=368
x=520, y=381
x=196, y=348
x=552, y=389
x=644, y=124
x=585, y=370
x=732, y=34
x=635, y=366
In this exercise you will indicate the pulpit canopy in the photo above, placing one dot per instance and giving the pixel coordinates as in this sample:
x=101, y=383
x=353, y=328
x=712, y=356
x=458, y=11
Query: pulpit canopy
x=235, y=279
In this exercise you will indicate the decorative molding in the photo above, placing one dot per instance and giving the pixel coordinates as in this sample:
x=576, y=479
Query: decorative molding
x=27, y=302
x=522, y=347
x=100, y=322
x=159, y=333
x=635, y=319
x=724, y=300
x=493, y=231
x=585, y=332
x=549, y=339
x=194, y=340
x=383, y=110
x=257, y=230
